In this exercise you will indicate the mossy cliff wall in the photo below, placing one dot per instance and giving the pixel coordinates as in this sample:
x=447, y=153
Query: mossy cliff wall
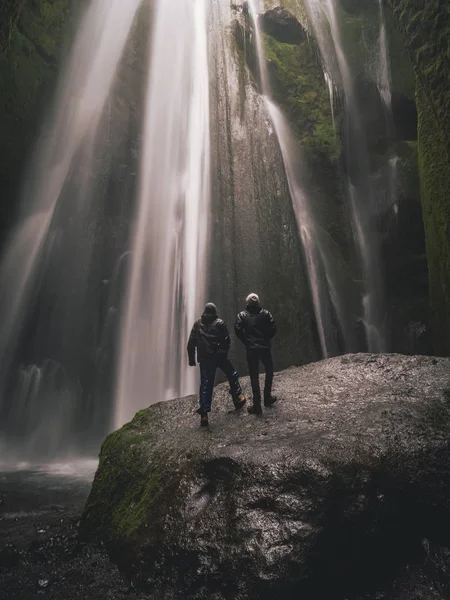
x=31, y=34
x=9, y=14
x=435, y=192
x=299, y=88
x=426, y=31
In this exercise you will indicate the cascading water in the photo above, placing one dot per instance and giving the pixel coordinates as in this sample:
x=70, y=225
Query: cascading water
x=365, y=191
x=383, y=79
x=169, y=256
x=324, y=282
x=52, y=244
x=217, y=159
x=64, y=305
x=256, y=244
x=384, y=70
x=330, y=87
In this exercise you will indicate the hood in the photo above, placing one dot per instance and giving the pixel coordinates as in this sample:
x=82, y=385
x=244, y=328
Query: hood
x=210, y=313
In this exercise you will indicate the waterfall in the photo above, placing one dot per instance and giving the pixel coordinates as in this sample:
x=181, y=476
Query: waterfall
x=221, y=209
x=384, y=70
x=169, y=254
x=383, y=78
x=365, y=191
x=69, y=285
x=52, y=243
x=330, y=87
x=256, y=243
x=327, y=295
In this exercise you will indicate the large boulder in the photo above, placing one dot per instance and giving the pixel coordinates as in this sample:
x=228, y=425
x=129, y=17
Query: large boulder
x=283, y=26
x=341, y=490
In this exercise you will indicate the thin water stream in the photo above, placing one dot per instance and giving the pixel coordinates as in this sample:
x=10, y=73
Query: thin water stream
x=323, y=278
x=365, y=191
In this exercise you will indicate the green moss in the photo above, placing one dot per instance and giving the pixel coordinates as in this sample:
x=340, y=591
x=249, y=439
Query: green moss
x=300, y=89
x=45, y=25
x=435, y=192
x=126, y=508
x=299, y=86
x=130, y=498
x=10, y=11
x=426, y=32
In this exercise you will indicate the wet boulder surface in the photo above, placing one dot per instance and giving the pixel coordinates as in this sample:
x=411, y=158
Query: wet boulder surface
x=341, y=490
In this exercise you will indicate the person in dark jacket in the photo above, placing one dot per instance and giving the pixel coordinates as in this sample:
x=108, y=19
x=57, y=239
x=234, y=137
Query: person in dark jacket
x=210, y=337
x=255, y=327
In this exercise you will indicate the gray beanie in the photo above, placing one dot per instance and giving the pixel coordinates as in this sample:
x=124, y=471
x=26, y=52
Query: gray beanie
x=252, y=299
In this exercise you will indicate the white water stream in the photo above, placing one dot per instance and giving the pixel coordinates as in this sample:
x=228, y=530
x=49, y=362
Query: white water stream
x=83, y=93
x=364, y=191
x=384, y=68
x=169, y=254
x=326, y=295
x=65, y=149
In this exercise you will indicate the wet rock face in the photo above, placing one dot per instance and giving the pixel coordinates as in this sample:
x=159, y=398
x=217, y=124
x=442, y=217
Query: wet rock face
x=425, y=27
x=404, y=113
x=9, y=14
x=31, y=36
x=354, y=7
x=340, y=490
x=283, y=26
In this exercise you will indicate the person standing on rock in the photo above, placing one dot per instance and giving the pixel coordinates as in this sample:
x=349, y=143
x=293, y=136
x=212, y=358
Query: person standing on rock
x=210, y=337
x=255, y=327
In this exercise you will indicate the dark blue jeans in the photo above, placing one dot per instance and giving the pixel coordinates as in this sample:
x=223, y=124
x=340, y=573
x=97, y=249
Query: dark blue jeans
x=208, y=370
x=254, y=355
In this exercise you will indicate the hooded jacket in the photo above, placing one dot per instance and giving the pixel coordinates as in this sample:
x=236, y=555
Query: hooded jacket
x=255, y=327
x=210, y=337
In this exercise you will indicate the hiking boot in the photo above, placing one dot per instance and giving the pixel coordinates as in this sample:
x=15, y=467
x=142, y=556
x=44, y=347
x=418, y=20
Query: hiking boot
x=239, y=401
x=269, y=400
x=254, y=410
x=204, y=420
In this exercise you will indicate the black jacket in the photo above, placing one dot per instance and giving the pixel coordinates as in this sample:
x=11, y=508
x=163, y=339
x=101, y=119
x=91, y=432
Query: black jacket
x=210, y=336
x=255, y=327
